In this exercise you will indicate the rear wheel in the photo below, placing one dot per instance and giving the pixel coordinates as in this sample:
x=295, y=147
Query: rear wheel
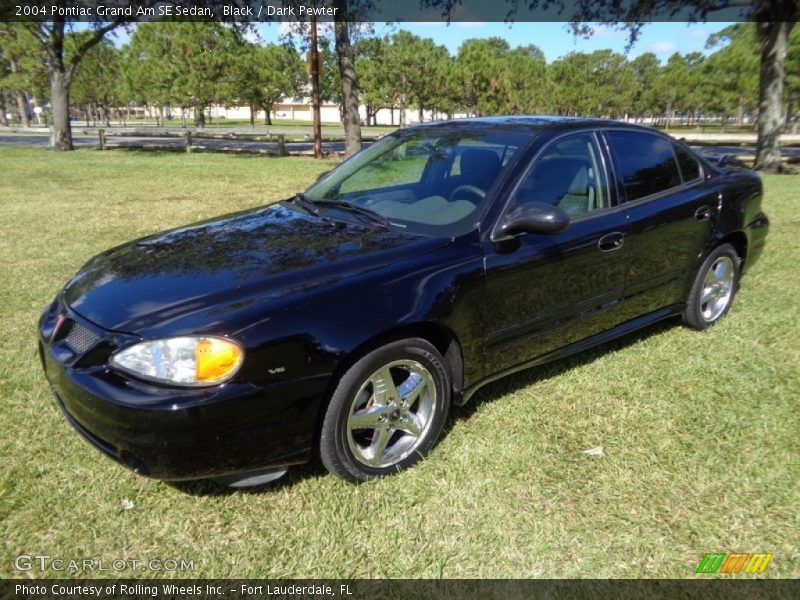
x=714, y=288
x=386, y=412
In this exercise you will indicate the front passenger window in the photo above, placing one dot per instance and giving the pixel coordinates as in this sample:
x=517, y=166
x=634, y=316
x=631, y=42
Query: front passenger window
x=567, y=174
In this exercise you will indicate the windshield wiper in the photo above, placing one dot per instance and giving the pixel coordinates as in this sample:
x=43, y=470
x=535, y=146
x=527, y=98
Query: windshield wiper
x=373, y=216
x=301, y=200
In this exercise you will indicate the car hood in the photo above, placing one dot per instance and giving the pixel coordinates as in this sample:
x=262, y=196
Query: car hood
x=251, y=257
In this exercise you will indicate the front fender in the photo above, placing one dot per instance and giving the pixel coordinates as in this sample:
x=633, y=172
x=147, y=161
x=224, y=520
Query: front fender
x=315, y=333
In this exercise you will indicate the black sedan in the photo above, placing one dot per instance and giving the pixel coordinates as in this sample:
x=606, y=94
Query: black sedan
x=344, y=322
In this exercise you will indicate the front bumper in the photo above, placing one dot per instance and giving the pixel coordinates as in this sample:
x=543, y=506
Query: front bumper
x=172, y=433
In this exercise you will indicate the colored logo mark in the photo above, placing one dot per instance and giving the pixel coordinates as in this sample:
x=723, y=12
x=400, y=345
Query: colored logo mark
x=736, y=562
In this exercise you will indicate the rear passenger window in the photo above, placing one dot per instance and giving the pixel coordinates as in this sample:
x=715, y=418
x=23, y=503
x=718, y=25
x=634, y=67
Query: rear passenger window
x=690, y=168
x=645, y=162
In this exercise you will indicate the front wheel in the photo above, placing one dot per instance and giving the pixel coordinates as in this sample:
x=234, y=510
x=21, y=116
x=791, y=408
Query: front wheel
x=713, y=289
x=386, y=412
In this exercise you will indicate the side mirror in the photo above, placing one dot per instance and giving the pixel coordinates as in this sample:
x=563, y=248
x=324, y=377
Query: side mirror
x=534, y=217
x=321, y=175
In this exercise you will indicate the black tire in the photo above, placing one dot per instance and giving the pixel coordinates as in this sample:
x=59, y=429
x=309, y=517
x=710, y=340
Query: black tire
x=417, y=400
x=713, y=289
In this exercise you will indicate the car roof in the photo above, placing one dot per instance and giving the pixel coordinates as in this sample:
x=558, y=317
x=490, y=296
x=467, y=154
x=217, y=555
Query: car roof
x=531, y=123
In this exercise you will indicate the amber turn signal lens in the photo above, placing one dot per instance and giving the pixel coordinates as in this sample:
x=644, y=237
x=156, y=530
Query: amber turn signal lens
x=216, y=359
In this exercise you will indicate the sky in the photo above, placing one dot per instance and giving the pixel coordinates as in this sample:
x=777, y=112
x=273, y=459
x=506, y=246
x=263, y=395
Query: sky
x=555, y=40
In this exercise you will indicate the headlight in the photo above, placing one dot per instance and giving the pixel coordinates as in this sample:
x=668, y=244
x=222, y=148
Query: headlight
x=182, y=360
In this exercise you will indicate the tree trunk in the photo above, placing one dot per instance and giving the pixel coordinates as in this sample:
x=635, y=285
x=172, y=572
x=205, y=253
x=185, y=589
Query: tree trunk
x=59, y=103
x=315, y=98
x=22, y=102
x=347, y=70
x=200, y=117
x=22, y=108
x=772, y=37
x=3, y=120
x=252, y=116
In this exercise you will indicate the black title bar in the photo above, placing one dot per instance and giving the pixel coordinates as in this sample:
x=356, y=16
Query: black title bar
x=265, y=11
x=391, y=589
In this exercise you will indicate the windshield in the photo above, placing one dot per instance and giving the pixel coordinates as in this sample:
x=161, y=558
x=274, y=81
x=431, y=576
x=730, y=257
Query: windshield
x=428, y=180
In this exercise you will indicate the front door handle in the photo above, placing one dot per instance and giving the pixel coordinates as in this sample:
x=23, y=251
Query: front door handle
x=611, y=241
x=703, y=213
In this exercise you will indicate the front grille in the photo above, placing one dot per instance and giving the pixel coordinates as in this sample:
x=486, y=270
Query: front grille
x=80, y=339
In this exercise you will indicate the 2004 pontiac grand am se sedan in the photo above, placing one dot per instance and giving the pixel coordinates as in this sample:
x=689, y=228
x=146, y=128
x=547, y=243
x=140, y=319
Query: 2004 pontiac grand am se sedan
x=342, y=323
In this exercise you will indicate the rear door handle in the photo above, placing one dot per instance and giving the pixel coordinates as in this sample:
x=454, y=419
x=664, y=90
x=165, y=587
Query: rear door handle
x=611, y=241
x=703, y=213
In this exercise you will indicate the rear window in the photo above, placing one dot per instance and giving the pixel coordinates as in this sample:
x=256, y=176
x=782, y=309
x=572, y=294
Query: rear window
x=690, y=168
x=645, y=162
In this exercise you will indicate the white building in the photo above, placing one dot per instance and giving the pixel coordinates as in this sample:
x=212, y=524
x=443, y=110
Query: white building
x=300, y=110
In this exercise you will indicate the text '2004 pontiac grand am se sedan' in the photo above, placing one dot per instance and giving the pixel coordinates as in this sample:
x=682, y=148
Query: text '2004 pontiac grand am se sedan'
x=344, y=322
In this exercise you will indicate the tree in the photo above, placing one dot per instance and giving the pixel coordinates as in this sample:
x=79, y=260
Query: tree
x=524, y=80
x=95, y=84
x=202, y=53
x=775, y=21
x=480, y=65
x=347, y=73
x=21, y=73
x=188, y=63
x=731, y=77
x=420, y=71
x=50, y=35
x=613, y=83
x=148, y=77
x=646, y=69
x=793, y=80
x=773, y=37
x=345, y=80
x=264, y=75
x=376, y=89
x=598, y=84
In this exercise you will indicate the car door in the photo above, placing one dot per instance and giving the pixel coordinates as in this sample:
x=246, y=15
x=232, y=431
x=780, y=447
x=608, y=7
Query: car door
x=544, y=292
x=672, y=209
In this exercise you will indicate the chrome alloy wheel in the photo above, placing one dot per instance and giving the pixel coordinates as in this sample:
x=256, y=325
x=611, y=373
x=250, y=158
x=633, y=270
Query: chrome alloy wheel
x=717, y=288
x=391, y=413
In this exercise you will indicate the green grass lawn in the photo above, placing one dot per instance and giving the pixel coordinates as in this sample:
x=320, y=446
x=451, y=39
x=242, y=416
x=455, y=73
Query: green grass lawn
x=700, y=430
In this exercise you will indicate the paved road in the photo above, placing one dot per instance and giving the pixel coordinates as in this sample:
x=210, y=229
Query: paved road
x=82, y=140
x=35, y=139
